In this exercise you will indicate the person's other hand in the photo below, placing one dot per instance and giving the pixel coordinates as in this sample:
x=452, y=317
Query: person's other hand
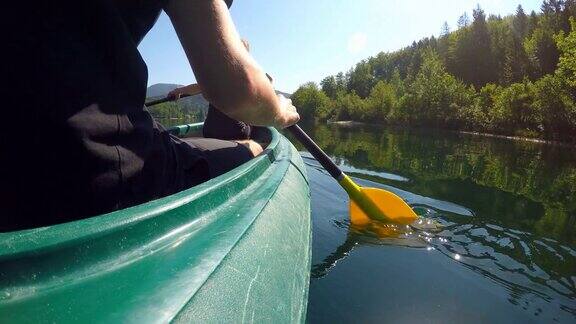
x=287, y=115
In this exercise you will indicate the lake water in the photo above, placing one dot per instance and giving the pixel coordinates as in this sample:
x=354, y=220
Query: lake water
x=506, y=251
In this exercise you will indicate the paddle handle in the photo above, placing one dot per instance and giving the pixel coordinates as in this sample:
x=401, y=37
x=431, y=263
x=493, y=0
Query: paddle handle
x=316, y=151
x=163, y=100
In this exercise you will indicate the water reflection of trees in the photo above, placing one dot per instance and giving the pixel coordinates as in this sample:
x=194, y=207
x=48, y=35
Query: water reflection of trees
x=523, y=196
x=499, y=179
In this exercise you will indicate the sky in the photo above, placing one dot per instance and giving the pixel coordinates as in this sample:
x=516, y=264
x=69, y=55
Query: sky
x=297, y=41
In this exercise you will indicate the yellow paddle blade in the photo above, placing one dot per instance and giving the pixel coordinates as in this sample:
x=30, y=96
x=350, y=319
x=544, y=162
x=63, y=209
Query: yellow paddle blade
x=393, y=207
x=368, y=204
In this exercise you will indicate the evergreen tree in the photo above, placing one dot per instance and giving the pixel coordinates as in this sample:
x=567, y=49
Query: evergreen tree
x=445, y=30
x=520, y=23
x=482, y=68
x=459, y=54
x=500, y=35
x=532, y=23
x=463, y=21
x=341, y=82
x=550, y=7
x=516, y=63
x=542, y=47
x=444, y=42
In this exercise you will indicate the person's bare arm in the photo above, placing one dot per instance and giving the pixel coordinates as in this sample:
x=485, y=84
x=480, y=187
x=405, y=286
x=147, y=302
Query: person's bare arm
x=229, y=77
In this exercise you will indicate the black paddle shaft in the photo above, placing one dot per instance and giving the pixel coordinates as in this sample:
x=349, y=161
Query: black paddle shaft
x=163, y=100
x=316, y=151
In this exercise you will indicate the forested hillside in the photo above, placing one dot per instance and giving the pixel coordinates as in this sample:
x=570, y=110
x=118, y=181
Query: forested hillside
x=513, y=75
x=160, y=89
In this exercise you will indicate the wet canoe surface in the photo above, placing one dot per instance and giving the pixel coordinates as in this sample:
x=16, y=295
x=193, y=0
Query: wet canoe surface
x=234, y=249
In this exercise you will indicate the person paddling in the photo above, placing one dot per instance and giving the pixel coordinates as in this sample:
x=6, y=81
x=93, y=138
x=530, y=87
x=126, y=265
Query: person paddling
x=79, y=85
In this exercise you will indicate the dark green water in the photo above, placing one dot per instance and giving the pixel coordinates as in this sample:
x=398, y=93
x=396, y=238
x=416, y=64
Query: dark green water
x=507, y=249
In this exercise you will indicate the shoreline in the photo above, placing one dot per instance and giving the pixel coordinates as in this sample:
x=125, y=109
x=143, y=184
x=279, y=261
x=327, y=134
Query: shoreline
x=520, y=138
x=351, y=123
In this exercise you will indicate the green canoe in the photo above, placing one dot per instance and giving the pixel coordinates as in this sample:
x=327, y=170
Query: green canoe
x=234, y=249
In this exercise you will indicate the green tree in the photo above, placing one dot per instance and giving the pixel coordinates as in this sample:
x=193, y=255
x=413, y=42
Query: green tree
x=516, y=62
x=397, y=83
x=311, y=102
x=556, y=108
x=445, y=30
x=532, y=23
x=350, y=106
x=470, y=54
x=341, y=82
x=381, y=101
x=435, y=97
x=463, y=21
x=460, y=54
x=482, y=112
x=567, y=61
x=501, y=44
x=520, y=23
x=329, y=86
x=541, y=46
x=361, y=79
x=444, y=42
x=482, y=68
x=513, y=109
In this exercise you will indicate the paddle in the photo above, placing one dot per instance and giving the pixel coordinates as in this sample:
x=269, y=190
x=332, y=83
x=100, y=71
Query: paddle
x=366, y=203
x=163, y=100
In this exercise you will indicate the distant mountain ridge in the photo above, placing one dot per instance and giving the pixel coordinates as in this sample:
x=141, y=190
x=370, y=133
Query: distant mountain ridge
x=160, y=89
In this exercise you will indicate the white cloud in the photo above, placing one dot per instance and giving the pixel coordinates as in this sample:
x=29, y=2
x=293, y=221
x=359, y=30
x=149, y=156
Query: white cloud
x=357, y=43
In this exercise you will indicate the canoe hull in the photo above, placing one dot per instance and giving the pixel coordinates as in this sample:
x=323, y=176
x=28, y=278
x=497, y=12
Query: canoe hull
x=235, y=249
x=274, y=289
